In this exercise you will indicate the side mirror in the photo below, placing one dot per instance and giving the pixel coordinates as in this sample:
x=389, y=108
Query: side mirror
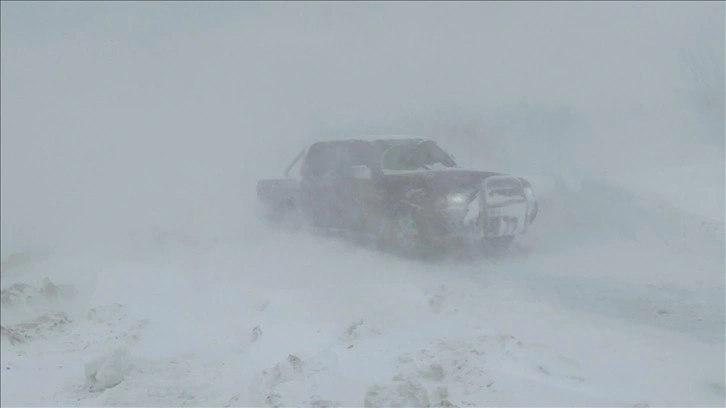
x=362, y=172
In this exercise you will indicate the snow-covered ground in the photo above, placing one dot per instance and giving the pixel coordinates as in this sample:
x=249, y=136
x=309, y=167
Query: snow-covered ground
x=135, y=271
x=615, y=297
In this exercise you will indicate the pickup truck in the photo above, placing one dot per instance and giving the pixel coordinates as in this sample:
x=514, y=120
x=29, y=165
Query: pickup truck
x=405, y=193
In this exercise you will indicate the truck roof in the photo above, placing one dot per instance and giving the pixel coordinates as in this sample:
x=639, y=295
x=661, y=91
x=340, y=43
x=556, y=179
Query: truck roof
x=388, y=140
x=388, y=137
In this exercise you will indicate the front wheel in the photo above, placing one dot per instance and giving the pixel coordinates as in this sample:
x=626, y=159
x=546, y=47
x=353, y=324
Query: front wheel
x=497, y=245
x=403, y=233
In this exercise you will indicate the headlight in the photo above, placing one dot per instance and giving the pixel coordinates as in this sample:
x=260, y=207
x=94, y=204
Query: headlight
x=457, y=199
x=454, y=200
x=529, y=193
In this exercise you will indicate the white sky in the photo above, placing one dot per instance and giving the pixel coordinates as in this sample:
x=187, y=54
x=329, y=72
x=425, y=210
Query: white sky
x=123, y=116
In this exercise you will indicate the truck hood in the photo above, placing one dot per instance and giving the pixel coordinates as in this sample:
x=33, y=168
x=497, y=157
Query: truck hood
x=439, y=181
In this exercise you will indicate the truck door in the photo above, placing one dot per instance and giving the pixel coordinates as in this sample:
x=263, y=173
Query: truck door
x=361, y=195
x=320, y=186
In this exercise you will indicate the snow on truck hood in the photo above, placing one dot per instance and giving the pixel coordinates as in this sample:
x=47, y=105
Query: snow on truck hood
x=442, y=178
x=436, y=170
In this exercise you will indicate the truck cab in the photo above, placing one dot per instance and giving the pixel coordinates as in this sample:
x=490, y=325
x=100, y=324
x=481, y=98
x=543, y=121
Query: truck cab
x=399, y=190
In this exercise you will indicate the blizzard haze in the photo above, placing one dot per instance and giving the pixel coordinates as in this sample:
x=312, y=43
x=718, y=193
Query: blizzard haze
x=133, y=136
x=123, y=117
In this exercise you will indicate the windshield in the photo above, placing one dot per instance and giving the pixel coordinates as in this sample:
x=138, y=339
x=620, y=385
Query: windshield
x=425, y=155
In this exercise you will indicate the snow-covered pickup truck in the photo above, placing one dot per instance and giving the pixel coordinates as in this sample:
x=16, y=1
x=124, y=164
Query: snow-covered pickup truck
x=407, y=194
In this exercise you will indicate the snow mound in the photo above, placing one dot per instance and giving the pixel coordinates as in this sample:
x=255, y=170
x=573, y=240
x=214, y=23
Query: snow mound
x=27, y=331
x=108, y=371
x=16, y=261
x=106, y=313
x=402, y=393
x=25, y=294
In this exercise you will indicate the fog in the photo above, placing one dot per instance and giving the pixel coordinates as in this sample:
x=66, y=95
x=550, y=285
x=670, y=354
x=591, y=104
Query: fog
x=136, y=270
x=122, y=118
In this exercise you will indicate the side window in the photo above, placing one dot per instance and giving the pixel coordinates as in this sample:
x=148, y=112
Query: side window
x=314, y=164
x=327, y=161
x=363, y=153
x=340, y=161
x=330, y=161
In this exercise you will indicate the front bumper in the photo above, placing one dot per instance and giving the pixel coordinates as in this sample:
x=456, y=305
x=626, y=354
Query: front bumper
x=499, y=208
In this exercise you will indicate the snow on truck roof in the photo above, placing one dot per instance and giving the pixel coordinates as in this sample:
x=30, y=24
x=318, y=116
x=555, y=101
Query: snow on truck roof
x=383, y=139
x=373, y=138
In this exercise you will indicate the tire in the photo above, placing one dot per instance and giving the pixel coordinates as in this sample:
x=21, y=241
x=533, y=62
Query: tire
x=284, y=215
x=497, y=245
x=403, y=234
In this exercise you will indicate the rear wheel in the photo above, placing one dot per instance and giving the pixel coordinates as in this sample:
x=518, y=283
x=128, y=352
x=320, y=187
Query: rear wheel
x=284, y=215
